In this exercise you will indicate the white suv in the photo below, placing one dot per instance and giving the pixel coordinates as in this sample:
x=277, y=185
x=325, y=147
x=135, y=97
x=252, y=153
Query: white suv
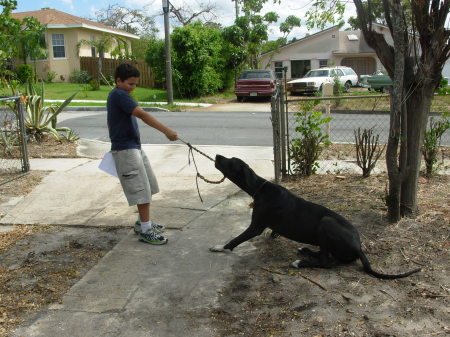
x=314, y=79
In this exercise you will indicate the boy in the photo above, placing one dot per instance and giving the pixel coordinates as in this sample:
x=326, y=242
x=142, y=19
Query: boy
x=133, y=168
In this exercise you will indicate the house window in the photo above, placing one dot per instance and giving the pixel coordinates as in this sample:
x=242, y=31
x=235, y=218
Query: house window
x=299, y=68
x=279, y=69
x=59, y=50
x=323, y=63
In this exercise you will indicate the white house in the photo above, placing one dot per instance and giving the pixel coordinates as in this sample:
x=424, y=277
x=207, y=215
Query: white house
x=328, y=47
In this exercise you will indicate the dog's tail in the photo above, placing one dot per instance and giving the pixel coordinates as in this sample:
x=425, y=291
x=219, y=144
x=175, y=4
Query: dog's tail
x=372, y=272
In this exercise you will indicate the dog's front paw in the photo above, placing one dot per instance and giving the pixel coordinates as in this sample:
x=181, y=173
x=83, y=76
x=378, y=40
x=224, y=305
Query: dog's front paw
x=296, y=264
x=219, y=248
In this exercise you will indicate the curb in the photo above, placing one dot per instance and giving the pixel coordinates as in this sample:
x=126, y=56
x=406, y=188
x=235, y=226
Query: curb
x=103, y=108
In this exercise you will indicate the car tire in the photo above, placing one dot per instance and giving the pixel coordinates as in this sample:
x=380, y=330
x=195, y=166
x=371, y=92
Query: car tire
x=239, y=98
x=347, y=86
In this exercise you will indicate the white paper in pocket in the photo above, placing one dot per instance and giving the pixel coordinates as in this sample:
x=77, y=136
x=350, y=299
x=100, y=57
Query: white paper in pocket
x=107, y=164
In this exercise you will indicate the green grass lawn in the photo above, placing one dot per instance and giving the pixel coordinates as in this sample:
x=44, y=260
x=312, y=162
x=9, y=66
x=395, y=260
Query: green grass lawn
x=64, y=90
x=61, y=91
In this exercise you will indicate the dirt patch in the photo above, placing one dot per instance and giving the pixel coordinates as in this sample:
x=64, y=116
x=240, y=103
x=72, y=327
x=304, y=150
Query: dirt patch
x=47, y=147
x=38, y=264
x=50, y=147
x=268, y=298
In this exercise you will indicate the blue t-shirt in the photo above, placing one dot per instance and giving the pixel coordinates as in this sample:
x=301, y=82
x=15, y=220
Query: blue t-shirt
x=122, y=125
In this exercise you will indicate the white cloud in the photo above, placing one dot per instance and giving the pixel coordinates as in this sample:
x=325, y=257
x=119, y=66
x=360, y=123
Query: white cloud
x=69, y=4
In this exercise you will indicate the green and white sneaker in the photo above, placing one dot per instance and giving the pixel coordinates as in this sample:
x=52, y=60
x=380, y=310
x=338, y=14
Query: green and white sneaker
x=157, y=227
x=152, y=237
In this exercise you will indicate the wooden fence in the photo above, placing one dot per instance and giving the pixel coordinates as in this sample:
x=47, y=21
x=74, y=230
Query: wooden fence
x=90, y=64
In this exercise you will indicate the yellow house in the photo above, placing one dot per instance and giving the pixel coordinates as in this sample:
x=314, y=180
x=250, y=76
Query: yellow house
x=63, y=33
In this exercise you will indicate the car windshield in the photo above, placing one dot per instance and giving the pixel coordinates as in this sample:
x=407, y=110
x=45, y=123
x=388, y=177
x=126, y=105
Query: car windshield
x=255, y=74
x=317, y=73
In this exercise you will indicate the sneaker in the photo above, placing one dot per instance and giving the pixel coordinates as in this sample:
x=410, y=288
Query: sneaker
x=155, y=226
x=153, y=237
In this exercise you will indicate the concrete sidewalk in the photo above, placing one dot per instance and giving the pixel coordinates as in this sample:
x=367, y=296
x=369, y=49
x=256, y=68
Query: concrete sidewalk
x=138, y=289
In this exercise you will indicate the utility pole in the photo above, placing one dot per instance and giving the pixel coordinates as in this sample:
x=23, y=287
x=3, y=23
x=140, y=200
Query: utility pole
x=237, y=8
x=165, y=5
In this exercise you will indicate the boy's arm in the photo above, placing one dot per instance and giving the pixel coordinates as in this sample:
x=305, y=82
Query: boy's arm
x=148, y=119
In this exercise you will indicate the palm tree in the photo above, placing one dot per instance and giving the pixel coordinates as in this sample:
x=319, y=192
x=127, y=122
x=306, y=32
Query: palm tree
x=103, y=45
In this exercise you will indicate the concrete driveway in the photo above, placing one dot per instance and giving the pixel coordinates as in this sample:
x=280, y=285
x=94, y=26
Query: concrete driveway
x=261, y=105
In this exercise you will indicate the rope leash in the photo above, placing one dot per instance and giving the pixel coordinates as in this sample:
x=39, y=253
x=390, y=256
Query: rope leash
x=191, y=154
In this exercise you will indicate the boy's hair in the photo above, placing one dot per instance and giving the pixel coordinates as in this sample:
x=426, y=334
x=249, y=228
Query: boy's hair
x=125, y=71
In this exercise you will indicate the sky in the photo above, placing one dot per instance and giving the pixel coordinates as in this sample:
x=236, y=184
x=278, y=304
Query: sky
x=225, y=10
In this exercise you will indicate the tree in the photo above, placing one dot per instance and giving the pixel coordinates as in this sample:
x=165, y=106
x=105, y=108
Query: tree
x=200, y=60
x=274, y=46
x=155, y=56
x=185, y=14
x=133, y=21
x=377, y=14
x=21, y=38
x=415, y=62
x=9, y=27
x=30, y=40
x=130, y=20
x=249, y=33
x=106, y=43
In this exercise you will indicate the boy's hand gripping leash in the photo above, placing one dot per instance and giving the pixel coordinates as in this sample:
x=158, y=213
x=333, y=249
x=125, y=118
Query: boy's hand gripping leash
x=191, y=154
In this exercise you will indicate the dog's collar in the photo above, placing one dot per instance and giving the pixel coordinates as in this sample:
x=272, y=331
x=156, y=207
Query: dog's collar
x=259, y=189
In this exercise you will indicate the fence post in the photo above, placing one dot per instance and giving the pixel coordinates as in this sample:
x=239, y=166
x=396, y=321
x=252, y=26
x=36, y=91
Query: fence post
x=23, y=139
x=274, y=110
x=327, y=90
x=282, y=112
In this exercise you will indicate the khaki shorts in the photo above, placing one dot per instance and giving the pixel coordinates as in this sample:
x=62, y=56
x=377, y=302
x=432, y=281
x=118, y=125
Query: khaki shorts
x=136, y=176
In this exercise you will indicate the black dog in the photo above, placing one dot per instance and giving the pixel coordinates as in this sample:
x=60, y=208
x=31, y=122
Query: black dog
x=296, y=219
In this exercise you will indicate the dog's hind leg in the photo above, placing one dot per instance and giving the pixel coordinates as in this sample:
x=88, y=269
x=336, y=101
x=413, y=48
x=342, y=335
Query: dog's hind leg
x=308, y=252
x=320, y=259
x=330, y=234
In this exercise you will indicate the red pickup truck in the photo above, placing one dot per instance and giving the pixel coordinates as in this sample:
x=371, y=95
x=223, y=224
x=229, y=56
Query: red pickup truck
x=255, y=83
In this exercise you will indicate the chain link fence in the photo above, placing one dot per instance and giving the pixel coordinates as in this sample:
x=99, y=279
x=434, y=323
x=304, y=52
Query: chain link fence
x=359, y=110
x=14, y=160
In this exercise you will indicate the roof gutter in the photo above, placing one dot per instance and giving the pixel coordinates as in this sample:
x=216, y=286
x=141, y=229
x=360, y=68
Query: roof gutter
x=83, y=25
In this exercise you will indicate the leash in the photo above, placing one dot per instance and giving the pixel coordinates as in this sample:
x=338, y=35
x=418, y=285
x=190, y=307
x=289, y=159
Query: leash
x=191, y=154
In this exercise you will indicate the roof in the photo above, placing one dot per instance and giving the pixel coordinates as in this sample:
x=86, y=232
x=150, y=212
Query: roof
x=352, y=42
x=57, y=19
x=308, y=36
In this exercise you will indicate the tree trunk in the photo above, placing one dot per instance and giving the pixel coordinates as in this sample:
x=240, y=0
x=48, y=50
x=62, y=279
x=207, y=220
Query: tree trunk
x=418, y=106
x=395, y=171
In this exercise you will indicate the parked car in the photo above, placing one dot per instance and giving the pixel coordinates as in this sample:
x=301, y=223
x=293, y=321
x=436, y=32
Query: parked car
x=377, y=81
x=255, y=83
x=314, y=79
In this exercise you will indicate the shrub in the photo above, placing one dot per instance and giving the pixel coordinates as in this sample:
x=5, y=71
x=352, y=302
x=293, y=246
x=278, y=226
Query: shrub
x=155, y=58
x=199, y=60
x=25, y=73
x=94, y=84
x=432, y=141
x=41, y=119
x=51, y=76
x=306, y=149
x=368, y=150
x=79, y=76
